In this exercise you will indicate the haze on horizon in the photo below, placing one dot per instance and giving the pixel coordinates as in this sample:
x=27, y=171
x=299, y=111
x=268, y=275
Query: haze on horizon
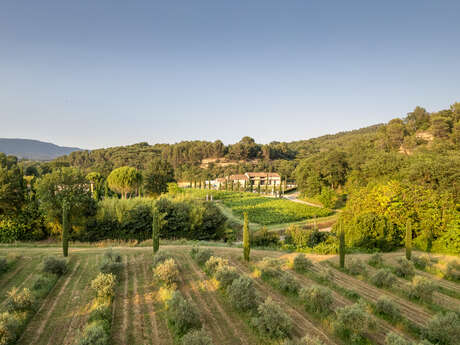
x=106, y=73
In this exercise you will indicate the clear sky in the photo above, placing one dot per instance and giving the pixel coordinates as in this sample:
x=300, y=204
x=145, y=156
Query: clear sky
x=99, y=73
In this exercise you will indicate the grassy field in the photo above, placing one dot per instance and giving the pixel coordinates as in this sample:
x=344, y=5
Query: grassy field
x=139, y=313
x=261, y=209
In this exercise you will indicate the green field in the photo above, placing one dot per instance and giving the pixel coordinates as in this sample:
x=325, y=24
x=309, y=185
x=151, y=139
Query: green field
x=263, y=210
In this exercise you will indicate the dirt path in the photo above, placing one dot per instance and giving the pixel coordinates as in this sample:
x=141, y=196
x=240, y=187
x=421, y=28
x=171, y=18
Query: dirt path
x=137, y=329
x=8, y=279
x=121, y=307
x=36, y=327
x=302, y=325
x=234, y=325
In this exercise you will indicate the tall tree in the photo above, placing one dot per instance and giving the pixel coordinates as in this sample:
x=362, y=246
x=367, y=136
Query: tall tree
x=408, y=240
x=157, y=175
x=157, y=224
x=246, y=237
x=341, y=245
x=124, y=180
x=12, y=186
x=65, y=228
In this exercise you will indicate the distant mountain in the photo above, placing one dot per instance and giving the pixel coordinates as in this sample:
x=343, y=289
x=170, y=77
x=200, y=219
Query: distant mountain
x=34, y=149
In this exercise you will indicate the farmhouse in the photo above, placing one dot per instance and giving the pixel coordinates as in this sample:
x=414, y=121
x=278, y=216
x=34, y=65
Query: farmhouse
x=250, y=178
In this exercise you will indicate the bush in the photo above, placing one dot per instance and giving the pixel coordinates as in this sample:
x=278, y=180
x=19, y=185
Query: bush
x=10, y=324
x=444, y=329
x=110, y=255
x=102, y=312
x=383, y=278
x=242, y=294
x=167, y=272
x=160, y=257
x=264, y=238
x=3, y=265
x=386, y=307
x=376, y=260
x=182, y=314
x=43, y=282
x=272, y=321
x=301, y=263
x=353, y=321
x=202, y=255
x=213, y=264
x=196, y=337
x=225, y=275
x=404, y=268
x=421, y=262
x=287, y=283
x=104, y=285
x=326, y=274
x=395, y=339
x=452, y=270
x=95, y=334
x=19, y=300
x=269, y=268
x=422, y=289
x=111, y=263
x=317, y=299
x=55, y=265
x=356, y=266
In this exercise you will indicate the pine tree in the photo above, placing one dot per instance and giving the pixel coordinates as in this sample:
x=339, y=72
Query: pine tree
x=65, y=228
x=246, y=238
x=408, y=240
x=342, y=246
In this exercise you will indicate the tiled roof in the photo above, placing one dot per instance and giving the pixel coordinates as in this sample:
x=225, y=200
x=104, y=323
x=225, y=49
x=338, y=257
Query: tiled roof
x=262, y=174
x=238, y=177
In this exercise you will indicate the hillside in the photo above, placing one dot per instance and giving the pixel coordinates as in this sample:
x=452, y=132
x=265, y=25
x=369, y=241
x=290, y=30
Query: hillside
x=34, y=149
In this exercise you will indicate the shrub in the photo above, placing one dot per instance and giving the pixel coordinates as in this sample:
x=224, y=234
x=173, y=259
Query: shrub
x=383, y=278
x=104, y=285
x=167, y=272
x=287, y=283
x=421, y=262
x=242, y=294
x=112, y=256
x=269, y=268
x=160, y=257
x=196, y=337
x=225, y=275
x=395, y=339
x=95, y=334
x=404, y=268
x=422, y=289
x=317, y=298
x=376, y=260
x=182, y=314
x=108, y=266
x=214, y=263
x=356, y=266
x=10, y=323
x=19, y=300
x=3, y=265
x=203, y=255
x=452, y=270
x=271, y=320
x=301, y=263
x=102, y=312
x=386, y=307
x=326, y=274
x=352, y=321
x=43, y=282
x=55, y=265
x=444, y=329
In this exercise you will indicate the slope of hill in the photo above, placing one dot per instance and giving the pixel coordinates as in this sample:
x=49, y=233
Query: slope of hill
x=33, y=149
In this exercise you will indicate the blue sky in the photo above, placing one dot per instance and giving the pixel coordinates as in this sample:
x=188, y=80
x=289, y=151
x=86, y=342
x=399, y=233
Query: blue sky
x=104, y=73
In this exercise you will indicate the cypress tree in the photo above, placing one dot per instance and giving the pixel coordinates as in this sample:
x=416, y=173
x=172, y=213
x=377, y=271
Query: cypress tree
x=65, y=228
x=342, y=245
x=408, y=240
x=157, y=224
x=246, y=238
x=258, y=188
